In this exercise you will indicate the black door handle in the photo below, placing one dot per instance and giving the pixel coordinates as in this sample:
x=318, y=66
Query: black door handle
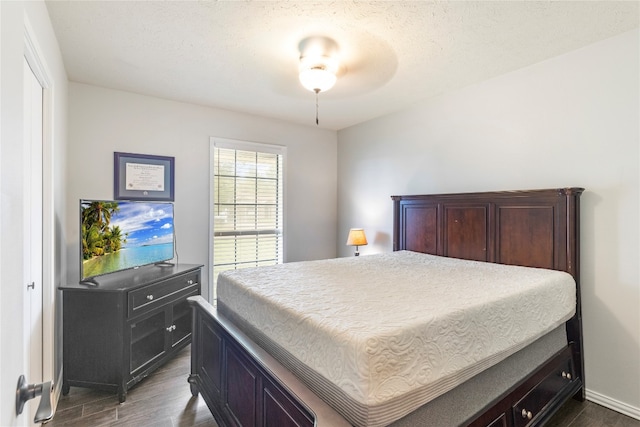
x=26, y=392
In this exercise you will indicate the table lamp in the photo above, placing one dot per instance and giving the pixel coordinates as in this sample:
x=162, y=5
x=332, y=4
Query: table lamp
x=356, y=238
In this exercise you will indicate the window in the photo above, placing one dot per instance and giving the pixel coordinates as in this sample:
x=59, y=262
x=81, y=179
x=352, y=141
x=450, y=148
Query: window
x=247, y=194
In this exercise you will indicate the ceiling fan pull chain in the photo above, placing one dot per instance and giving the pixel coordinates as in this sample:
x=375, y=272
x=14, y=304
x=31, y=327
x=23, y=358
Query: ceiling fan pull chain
x=316, y=91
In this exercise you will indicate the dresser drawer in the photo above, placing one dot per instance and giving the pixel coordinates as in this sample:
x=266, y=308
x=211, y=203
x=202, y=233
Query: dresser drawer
x=527, y=408
x=152, y=296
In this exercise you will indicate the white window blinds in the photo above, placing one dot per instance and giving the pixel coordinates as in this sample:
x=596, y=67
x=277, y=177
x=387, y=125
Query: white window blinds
x=247, y=207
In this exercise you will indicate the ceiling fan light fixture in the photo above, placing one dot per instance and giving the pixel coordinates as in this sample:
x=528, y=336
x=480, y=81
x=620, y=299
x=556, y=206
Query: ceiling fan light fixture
x=317, y=78
x=318, y=65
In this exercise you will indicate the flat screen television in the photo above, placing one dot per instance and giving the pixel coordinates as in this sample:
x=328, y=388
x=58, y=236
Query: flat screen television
x=119, y=235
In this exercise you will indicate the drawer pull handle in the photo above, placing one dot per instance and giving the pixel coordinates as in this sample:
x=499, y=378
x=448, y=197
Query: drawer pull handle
x=527, y=414
x=150, y=297
x=566, y=375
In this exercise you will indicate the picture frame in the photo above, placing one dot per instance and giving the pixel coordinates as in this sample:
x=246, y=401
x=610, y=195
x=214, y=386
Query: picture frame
x=143, y=177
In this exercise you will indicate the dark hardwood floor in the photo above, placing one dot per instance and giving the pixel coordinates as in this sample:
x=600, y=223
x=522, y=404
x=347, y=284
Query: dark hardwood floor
x=164, y=400
x=589, y=414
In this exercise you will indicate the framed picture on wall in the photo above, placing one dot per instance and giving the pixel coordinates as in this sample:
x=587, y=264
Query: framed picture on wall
x=143, y=177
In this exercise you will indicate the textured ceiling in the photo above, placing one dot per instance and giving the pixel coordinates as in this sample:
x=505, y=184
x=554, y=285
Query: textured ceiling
x=243, y=56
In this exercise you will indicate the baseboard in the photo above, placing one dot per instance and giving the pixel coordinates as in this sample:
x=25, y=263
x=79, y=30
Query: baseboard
x=612, y=404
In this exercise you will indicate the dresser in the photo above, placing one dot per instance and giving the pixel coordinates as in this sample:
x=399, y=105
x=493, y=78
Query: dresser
x=119, y=330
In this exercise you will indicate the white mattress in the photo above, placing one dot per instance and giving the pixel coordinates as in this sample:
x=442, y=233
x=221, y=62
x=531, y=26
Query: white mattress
x=390, y=332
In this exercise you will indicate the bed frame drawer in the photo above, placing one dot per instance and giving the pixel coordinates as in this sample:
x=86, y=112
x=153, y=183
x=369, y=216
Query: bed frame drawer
x=149, y=297
x=527, y=409
x=501, y=421
x=532, y=402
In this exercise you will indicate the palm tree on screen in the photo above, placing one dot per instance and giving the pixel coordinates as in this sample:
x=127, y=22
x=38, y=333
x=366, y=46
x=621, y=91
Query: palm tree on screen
x=97, y=238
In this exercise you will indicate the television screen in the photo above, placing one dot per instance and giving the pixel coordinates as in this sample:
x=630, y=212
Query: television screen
x=118, y=235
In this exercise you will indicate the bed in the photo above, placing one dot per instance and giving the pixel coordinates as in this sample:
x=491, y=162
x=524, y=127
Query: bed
x=249, y=373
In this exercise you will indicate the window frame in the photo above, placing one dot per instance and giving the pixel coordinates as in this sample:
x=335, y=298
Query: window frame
x=226, y=143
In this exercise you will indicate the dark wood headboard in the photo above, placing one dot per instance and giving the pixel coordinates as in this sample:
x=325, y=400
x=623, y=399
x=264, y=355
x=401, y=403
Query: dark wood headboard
x=533, y=228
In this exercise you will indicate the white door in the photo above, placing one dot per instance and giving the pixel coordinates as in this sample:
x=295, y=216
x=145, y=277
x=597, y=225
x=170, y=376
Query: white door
x=33, y=281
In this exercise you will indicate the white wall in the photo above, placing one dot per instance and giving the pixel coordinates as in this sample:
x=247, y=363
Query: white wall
x=569, y=121
x=13, y=18
x=102, y=121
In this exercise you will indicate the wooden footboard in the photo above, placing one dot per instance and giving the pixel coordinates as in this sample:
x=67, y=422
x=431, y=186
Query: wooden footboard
x=242, y=384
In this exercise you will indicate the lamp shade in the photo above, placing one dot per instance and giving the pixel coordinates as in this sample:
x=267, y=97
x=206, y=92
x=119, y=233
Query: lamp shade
x=356, y=237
